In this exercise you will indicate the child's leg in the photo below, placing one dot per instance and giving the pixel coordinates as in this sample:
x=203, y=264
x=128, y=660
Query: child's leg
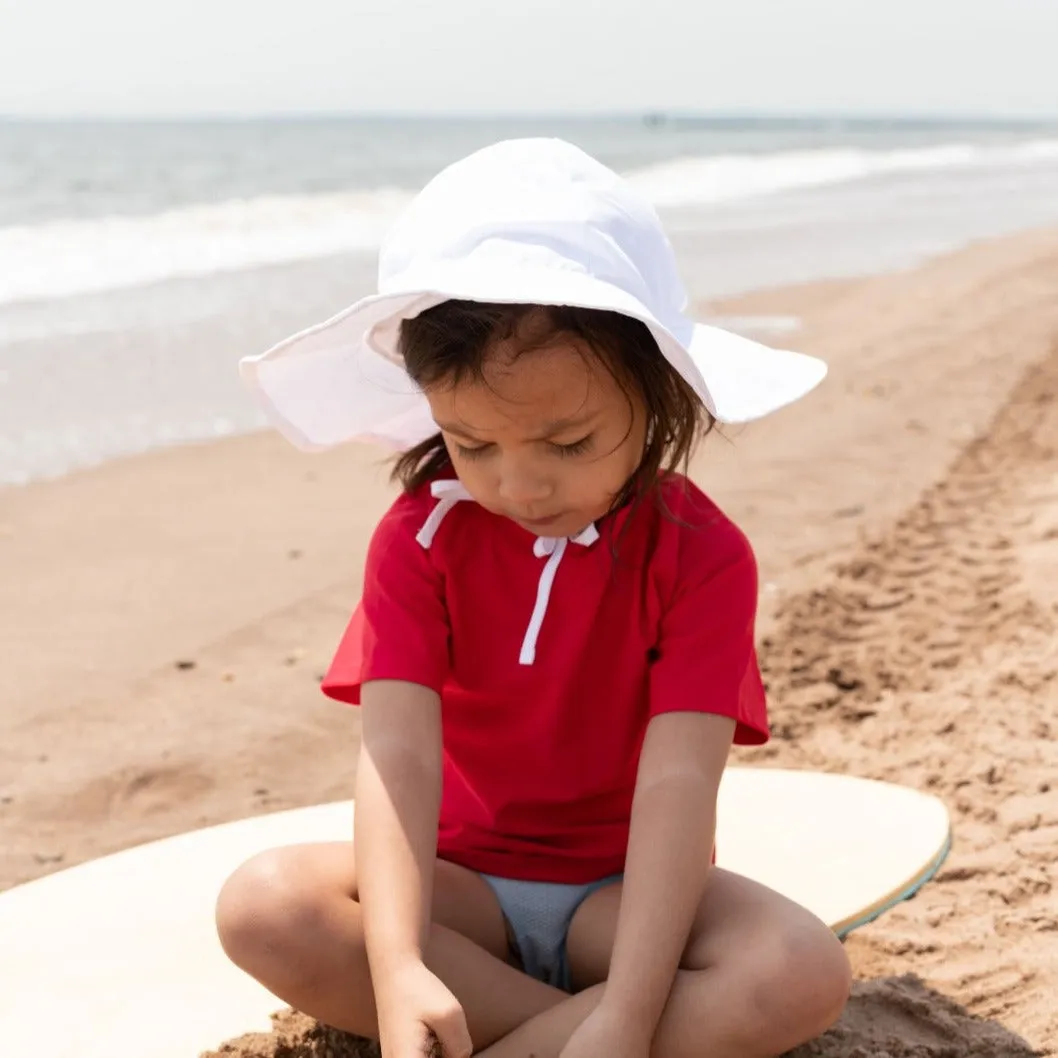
x=290, y=919
x=759, y=976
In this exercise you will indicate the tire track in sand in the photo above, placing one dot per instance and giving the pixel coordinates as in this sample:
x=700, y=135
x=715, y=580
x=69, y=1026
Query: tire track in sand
x=930, y=659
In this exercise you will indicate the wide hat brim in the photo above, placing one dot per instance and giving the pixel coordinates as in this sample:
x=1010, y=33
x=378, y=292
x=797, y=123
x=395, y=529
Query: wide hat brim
x=342, y=380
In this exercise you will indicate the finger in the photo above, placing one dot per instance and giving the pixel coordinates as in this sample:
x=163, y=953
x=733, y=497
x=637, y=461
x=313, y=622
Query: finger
x=407, y=1045
x=453, y=1035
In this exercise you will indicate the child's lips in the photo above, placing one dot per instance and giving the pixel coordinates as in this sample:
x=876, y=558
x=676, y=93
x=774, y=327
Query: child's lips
x=542, y=523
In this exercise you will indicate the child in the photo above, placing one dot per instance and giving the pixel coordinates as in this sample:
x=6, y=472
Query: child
x=553, y=654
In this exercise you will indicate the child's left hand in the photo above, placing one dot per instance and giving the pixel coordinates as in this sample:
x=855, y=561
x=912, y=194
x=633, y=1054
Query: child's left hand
x=605, y=1033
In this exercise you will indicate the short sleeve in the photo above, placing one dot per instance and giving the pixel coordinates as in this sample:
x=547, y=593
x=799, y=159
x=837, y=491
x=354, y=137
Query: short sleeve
x=706, y=658
x=400, y=629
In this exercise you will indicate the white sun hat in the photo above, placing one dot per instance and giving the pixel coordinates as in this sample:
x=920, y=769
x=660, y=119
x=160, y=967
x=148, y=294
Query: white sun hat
x=525, y=221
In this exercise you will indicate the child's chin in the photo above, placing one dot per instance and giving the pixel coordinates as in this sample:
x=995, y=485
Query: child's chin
x=570, y=525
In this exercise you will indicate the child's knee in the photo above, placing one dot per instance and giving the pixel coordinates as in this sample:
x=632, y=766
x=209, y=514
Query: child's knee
x=264, y=908
x=804, y=977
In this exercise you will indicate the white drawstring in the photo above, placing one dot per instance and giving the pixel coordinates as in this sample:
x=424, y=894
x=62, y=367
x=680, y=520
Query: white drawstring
x=449, y=493
x=555, y=549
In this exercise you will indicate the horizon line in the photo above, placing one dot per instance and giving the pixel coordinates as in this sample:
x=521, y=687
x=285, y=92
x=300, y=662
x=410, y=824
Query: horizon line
x=650, y=115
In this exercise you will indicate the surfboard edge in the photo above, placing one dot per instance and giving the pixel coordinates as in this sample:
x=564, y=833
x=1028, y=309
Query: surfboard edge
x=898, y=895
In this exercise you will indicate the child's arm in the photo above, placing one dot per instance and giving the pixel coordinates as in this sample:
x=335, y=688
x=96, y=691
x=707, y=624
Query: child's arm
x=704, y=683
x=398, y=792
x=670, y=850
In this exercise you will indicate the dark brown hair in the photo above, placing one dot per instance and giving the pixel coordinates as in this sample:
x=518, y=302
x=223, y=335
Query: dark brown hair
x=452, y=342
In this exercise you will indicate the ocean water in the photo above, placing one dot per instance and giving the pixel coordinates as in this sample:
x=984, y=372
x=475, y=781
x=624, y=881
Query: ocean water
x=139, y=261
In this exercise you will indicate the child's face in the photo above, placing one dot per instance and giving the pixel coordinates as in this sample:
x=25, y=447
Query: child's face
x=548, y=439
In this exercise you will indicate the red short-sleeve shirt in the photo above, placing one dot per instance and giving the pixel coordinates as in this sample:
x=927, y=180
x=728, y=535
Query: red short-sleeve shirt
x=540, y=759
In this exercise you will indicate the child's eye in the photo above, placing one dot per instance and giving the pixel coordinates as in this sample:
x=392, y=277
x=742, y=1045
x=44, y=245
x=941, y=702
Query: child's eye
x=472, y=453
x=576, y=448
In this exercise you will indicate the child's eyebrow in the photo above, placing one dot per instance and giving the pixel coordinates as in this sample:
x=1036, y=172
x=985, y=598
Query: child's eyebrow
x=574, y=422
x=458, y=431
x=555, y=426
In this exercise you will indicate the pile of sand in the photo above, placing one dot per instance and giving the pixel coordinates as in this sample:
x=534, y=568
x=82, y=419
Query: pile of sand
x=895, y=1017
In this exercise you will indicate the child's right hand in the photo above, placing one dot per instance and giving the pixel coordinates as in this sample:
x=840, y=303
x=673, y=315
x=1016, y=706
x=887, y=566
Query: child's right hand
x=418, y=1017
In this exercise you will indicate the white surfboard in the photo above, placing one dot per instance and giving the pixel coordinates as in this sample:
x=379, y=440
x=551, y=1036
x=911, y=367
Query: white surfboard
x=96, y=958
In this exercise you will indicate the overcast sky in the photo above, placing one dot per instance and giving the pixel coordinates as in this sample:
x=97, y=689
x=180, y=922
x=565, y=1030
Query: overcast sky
x=174, y=57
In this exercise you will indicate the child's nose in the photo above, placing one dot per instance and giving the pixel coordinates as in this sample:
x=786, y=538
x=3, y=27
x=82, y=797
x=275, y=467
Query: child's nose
x=521, y=487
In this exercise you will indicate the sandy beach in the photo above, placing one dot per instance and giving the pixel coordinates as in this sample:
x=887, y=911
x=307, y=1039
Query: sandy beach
x=168, y=616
